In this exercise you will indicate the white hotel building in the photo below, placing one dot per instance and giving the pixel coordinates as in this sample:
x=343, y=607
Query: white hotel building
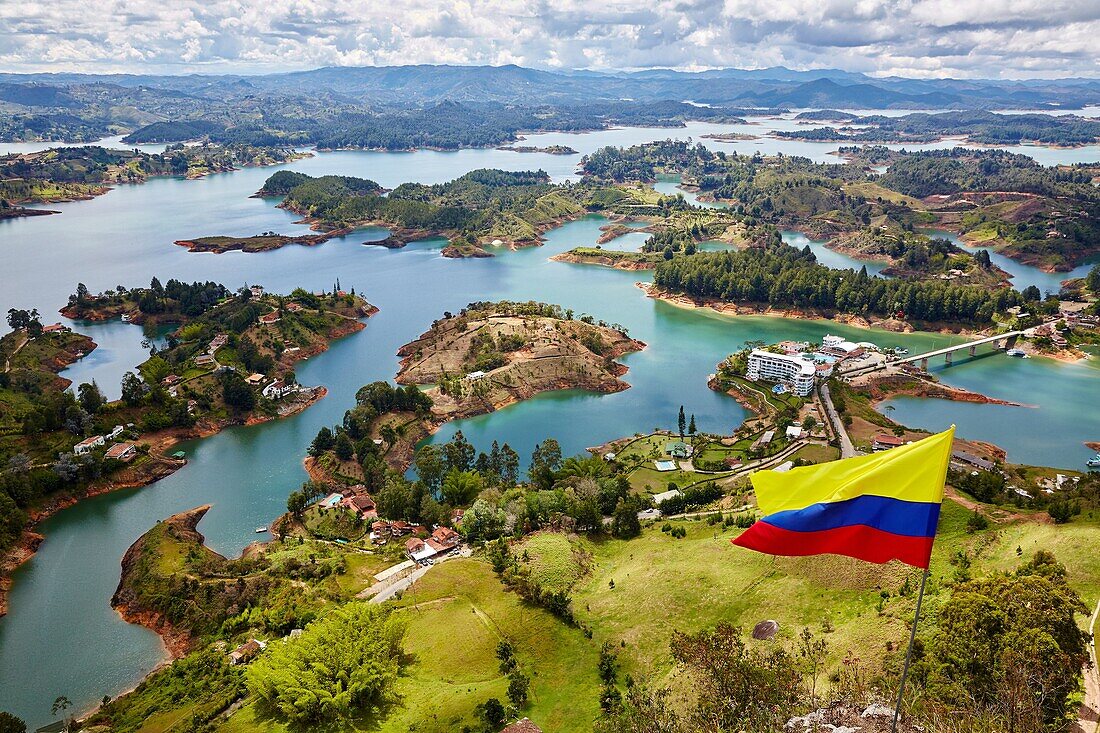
x=793, y=371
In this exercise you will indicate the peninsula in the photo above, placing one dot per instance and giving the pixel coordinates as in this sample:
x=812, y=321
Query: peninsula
x=229, y=362
x=78, y=173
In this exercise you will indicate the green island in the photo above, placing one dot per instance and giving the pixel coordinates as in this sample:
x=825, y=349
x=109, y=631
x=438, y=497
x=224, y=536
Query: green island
x=463, y=595
x=228, y=361
x=484, y=208
x=1006, y=200
x=977, y=126
x=1042, y=216
x=76, y=173
x=549, y=149
x=482, y=359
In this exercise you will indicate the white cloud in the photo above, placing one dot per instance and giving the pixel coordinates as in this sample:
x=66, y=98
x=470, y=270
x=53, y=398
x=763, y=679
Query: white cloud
x=991, y=38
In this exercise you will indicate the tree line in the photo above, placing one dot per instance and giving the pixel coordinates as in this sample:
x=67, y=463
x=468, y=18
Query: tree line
x=785, y=276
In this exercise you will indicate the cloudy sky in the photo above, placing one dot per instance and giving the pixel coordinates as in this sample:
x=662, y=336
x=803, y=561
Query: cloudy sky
x=927, y=38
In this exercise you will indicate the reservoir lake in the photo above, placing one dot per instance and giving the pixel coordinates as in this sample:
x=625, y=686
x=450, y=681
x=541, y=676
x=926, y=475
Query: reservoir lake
x=61, y=636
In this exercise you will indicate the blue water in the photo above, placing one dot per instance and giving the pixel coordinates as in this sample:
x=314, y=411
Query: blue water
x=61, y=637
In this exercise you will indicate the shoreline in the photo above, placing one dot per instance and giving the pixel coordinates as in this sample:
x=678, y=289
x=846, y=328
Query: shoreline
x=177, y=642
x=160, y=443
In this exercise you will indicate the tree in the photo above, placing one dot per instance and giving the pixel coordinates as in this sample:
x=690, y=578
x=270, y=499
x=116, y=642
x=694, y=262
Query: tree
x=458, y=453
x=343, y=448
x=545, y=460
x=296, y=503
x=11, y=724
x=460, y=487
x=324, y=441
x=812, y=652
x=625, y=523
x=518, y=686
x=1031, y=294
x=342, y=665
x=60, y=705
x=681, y=421
x=1009, y=646
x=236, y=392
x=691, y=425
x=584, y=505
x=1092, y=280
x=492, y=712
x=91, y=399
x=133, y=389
x=483, y=521
x=642, y=710
x=429, y=466
x=509, y=465
x=738, y=688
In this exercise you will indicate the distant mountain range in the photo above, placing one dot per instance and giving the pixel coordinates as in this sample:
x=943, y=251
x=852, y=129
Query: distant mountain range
x=414, y=86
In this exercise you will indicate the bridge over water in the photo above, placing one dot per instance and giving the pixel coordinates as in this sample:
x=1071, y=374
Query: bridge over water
x=946, y=352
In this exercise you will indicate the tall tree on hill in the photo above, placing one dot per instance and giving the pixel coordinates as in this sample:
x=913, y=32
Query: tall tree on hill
x=691, y=425
x=681, y=421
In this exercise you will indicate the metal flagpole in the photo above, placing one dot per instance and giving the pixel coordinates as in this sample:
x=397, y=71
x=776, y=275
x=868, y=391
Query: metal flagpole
x=909, y=652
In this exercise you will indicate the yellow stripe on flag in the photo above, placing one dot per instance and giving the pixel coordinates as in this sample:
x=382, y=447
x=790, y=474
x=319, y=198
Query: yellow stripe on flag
x=912, y=472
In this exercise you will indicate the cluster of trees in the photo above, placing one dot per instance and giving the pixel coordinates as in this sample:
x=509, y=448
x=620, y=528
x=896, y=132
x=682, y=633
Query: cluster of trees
x=732, y=686
x=644, y=162
x=785, y=276
x=343, y=665
x=92, y=164
x=987, y=128
x=1008, y=649
x=691, y=497
x=174, y=297
x=469, y=206
x=929, y=172
x=21, y=319
x=447, y=125
x=55, y=419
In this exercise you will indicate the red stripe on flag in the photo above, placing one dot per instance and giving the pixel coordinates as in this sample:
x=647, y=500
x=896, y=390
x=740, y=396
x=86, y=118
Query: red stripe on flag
x=858, y=541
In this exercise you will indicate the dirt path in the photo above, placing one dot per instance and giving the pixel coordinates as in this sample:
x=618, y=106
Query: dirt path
x=1088, y=719
x=7, y=362
x=997, y=514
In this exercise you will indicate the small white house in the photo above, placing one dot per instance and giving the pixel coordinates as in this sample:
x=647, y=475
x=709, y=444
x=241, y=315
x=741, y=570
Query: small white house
x=96, y=441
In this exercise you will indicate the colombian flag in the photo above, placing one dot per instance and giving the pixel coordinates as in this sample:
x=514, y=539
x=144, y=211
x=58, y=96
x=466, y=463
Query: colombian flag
x=877, y=508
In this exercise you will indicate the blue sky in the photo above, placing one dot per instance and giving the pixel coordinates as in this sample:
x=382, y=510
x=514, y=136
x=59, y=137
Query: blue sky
x=919, y=38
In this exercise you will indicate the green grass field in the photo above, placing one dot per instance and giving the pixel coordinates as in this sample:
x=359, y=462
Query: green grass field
x=638, y=592
x=555, y=562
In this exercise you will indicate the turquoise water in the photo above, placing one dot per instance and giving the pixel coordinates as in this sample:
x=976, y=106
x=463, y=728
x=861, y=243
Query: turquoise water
x=61, y=637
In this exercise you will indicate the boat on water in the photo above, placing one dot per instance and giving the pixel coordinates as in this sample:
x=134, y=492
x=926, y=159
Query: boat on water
x=1018, y=353
x=261, y=530
x=125, y=317
x=900, y=351
x=1093, y=462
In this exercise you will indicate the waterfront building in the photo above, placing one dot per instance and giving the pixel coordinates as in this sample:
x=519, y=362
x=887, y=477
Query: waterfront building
x=796, y=373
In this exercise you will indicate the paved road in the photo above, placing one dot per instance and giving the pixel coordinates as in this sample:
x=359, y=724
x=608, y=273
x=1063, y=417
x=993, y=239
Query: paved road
x=847, y=450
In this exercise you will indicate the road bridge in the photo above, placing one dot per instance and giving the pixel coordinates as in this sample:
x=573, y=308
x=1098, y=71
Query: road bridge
x=946, y=352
